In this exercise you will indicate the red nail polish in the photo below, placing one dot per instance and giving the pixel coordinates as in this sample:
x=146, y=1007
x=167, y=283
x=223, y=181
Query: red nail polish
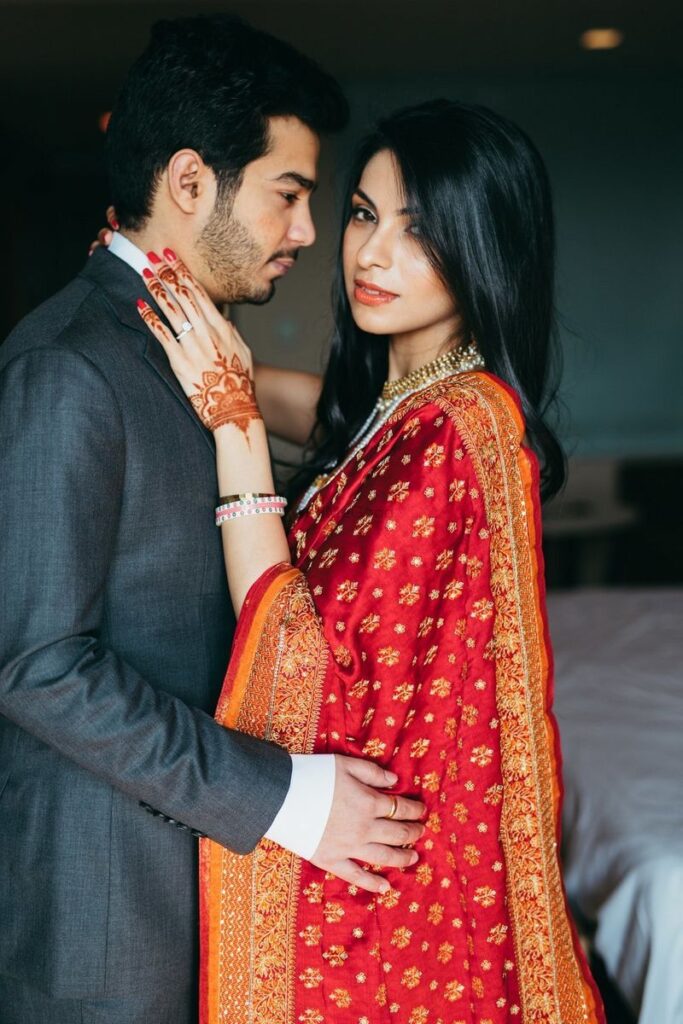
x=153, y=258
x=170, y=255
x=147, y=273
x=141, y=304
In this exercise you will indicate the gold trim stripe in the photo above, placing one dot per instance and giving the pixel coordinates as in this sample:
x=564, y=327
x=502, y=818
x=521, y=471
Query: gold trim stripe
x=276, y=694
x=552, y=986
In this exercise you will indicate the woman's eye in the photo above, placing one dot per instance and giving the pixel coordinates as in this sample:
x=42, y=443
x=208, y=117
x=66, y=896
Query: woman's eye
x=362, y=214
x=289, y=197
x=414, y=229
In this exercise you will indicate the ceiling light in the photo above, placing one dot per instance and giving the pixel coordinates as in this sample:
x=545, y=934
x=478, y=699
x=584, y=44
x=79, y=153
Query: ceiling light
x=601, y=38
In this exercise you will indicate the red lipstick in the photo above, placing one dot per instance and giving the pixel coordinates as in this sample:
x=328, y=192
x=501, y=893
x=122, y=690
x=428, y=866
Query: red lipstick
x=370, y=295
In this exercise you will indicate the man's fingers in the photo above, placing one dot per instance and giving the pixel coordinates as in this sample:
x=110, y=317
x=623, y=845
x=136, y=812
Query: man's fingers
x=390, y=856
x=358, y=828
x=350, y=872
x=396, y=833
x=367, y=771
x=407, y=809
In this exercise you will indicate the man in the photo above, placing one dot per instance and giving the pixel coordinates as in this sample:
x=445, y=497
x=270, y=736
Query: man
x=116, y=621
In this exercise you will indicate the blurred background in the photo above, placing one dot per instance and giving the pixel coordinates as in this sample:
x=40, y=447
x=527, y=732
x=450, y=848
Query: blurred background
x=605, y=108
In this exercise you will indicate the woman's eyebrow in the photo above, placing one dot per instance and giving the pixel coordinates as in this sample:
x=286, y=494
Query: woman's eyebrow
x=405, y=211
x=365, y=197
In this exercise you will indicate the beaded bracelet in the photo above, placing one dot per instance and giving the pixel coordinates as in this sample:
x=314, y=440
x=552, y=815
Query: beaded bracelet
x=249, y=505
x=225, y=517
x=237, y=506
x=248, y=502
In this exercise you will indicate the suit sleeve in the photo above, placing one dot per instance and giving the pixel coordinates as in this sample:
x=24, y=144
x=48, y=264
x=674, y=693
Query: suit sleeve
x=62, y=451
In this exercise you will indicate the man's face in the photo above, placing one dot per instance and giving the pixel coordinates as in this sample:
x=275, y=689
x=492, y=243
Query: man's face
x=253, y=236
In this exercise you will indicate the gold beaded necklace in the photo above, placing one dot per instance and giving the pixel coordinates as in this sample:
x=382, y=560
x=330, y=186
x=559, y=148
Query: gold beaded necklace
x=456, y=360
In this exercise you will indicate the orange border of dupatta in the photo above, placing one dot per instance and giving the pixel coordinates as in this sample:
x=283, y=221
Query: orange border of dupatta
x=248, y=904
x=555, y=985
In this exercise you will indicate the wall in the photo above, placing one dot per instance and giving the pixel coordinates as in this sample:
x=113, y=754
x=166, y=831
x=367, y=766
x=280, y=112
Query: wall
x=614, y=148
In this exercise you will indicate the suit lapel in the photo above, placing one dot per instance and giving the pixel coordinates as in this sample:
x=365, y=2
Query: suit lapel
x=156, y=358
x=122, y=287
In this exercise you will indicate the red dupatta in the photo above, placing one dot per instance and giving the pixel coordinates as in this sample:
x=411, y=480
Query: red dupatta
x=411, y=630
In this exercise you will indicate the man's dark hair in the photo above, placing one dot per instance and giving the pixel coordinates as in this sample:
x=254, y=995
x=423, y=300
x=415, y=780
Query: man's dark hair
x=209, y=83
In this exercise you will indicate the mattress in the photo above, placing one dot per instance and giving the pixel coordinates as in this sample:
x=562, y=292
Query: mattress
x=619, y=704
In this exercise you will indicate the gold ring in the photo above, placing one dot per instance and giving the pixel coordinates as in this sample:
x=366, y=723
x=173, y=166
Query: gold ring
x=394, y=808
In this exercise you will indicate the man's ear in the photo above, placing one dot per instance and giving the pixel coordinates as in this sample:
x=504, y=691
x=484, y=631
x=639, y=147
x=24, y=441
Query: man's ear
x=190, y=182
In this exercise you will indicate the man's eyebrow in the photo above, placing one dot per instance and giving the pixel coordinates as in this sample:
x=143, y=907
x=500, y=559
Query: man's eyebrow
x=298, y=179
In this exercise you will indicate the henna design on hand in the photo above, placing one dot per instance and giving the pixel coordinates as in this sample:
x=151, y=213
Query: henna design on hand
x=148, y=315
x=226, y=395
x=170, y=277
x=157, y=290
x=182, y=271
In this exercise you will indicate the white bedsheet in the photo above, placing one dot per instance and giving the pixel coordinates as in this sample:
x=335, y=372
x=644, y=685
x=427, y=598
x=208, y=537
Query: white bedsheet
x=619, y=702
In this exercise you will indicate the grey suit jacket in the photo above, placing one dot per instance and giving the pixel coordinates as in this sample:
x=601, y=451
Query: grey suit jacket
x=115, y=626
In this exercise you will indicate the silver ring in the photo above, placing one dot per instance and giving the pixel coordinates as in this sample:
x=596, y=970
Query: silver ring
x=185, y=329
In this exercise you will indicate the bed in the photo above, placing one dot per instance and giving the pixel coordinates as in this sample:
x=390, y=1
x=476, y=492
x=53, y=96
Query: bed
x=619, y=702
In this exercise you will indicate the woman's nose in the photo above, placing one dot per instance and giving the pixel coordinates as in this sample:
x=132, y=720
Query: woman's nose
x=375, y=252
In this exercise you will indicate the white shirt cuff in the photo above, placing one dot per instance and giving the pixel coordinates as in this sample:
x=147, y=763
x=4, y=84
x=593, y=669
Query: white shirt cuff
x=302, y=819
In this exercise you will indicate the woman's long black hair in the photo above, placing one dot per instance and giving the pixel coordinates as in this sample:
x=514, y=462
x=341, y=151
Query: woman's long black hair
x=486, y=223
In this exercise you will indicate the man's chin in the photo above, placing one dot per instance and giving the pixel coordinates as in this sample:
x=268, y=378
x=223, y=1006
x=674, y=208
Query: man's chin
x=262, y=297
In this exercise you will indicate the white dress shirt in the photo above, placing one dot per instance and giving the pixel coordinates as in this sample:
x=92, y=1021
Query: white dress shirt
x=301, y=821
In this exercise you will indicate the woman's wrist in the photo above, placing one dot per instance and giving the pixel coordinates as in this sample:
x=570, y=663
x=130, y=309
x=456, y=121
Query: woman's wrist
x=230, y=434
x=243, y=459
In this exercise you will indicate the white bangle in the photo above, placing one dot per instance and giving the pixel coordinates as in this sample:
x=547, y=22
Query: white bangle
x=249, y=505
x=237, y=513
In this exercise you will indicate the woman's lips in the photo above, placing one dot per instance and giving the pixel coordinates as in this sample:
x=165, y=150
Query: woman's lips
x=370, y=295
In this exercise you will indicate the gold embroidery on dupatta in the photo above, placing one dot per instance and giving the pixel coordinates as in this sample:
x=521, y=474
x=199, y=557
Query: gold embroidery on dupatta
x=551, y=983
x=259, y=893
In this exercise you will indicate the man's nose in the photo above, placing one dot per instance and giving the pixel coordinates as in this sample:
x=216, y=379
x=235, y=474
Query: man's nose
x=302, y=228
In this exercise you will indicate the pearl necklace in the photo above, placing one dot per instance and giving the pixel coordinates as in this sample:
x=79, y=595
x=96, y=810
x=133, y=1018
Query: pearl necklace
x=459, y=360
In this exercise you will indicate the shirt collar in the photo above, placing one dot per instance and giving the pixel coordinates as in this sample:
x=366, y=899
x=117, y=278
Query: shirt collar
x=128, y=252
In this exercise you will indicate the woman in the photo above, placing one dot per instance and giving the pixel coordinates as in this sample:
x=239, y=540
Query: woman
x=403, y=617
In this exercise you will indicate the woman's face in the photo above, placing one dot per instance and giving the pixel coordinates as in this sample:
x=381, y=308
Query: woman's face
x=391, y=285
